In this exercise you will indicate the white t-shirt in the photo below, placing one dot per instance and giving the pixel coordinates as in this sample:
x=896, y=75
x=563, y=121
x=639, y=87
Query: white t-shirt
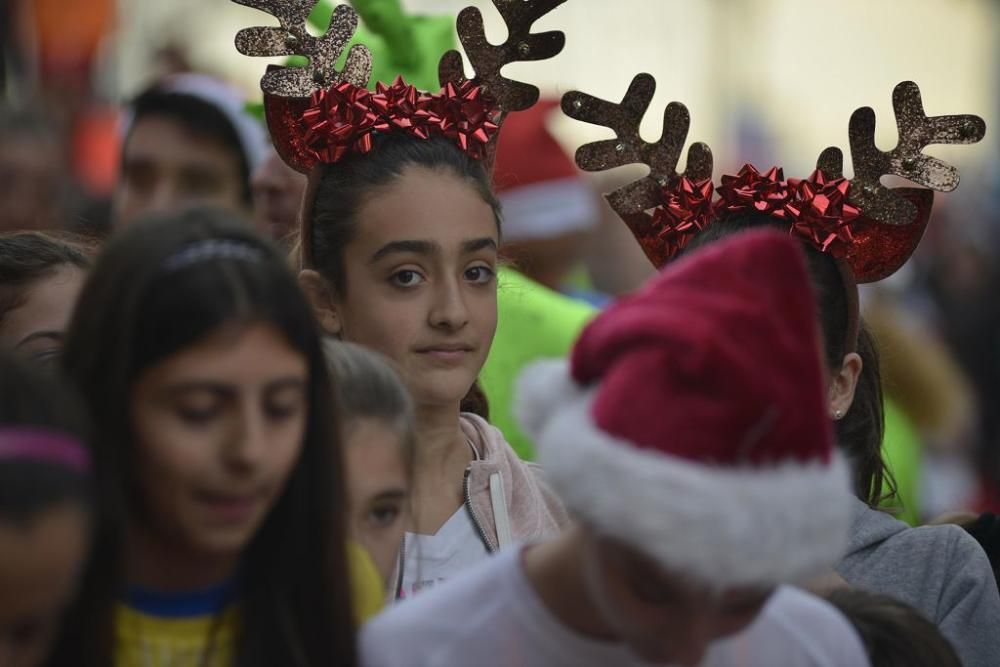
x=430, y=559
x=492, y=617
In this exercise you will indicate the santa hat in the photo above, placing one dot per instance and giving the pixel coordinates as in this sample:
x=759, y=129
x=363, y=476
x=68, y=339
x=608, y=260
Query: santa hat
x=691, y=422
x=541, y=191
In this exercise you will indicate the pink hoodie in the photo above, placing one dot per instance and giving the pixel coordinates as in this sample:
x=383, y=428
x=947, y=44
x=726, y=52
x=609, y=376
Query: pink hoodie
x=508, y=498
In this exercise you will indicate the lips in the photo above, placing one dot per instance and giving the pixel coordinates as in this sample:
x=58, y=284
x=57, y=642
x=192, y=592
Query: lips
x=446, y=352
x=226, y=508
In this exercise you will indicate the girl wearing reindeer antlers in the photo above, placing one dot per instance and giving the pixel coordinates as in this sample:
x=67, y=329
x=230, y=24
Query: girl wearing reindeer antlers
x=856, y=231
x=399, y=238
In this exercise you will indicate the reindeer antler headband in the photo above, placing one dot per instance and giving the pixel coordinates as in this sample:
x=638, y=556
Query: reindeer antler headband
x=318, y=115
x=871, y=228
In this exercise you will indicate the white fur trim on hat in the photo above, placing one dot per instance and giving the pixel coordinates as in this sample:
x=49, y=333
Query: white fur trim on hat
x=727, y=526
x=548, y=209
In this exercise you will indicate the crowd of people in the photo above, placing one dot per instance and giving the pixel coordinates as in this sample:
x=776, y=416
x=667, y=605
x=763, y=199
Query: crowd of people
x=321, y=384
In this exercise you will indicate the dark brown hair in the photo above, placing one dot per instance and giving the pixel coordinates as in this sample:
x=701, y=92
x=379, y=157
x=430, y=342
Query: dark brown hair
x=27, y=257
x=329, y=224
x=860, y=432
x=136, y=311
x=894, y=634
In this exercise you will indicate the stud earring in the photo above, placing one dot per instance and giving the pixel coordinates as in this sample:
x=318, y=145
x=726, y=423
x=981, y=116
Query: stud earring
x=838, y=415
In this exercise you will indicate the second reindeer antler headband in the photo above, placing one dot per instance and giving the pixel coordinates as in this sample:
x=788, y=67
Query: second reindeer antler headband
x=871, y=228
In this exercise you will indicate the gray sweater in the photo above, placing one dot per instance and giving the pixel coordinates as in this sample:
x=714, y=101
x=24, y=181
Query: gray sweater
x=940, y=571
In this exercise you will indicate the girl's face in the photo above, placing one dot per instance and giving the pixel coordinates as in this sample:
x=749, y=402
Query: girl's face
x=421, y=282
x=39, y=563
x=219, y=427
x=377, y=488
x=36, y=328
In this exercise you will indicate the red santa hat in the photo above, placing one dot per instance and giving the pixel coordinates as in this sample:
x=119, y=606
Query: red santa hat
x=691, y=421
x=542, y=192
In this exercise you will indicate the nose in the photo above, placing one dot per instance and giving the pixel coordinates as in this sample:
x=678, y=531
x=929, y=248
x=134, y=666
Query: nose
x=163, y=198
x=248, y=440
x=449, y=310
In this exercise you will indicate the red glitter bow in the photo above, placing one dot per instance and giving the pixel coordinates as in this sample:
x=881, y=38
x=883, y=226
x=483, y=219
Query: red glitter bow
x=686, y=210
x=399, y=108
x=767, y=193
x=822, y=214
x=342, y=119
x=338, y=120
x=464, y=114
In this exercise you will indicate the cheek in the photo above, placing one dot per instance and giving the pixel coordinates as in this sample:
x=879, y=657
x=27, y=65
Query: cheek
x=383, y=544
x=387, y=326
x=169, y=453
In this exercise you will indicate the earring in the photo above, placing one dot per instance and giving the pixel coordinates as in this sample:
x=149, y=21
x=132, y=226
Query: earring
x=838, y=415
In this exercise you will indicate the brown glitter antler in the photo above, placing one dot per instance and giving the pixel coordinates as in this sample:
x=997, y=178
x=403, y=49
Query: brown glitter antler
x=488, y=59
x=293, y=39
x=916, y=131
x=634, y=200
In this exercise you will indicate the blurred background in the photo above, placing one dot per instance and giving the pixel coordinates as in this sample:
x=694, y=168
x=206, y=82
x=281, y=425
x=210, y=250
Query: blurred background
x=767, y=81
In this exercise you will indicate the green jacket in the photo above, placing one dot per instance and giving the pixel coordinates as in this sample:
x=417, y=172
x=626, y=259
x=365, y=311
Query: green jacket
x=534, y=323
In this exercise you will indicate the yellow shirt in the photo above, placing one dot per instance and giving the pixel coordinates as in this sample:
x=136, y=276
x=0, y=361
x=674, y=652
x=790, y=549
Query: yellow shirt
x=145, y=640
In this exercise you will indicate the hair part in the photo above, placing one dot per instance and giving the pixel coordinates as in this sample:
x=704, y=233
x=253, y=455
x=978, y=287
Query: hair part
x=860, y=432
x=330, y=223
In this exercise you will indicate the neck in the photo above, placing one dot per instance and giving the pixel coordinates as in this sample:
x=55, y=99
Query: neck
x=159, y=564
x=556, y=571
x=441, y=445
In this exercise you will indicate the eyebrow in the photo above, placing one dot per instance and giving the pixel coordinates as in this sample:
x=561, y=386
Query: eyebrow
x=429, y=247
x=393, y=494
x=475, y=245
x=226, y=389
x=56, y=336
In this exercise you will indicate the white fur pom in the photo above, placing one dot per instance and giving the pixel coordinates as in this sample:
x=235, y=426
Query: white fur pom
x=542, y=388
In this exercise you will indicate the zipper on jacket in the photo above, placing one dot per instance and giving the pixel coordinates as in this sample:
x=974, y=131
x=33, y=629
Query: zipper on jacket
x=472, y=512
x=402, y=568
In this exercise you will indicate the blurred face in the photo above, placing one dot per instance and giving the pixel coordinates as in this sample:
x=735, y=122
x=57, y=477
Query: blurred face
x=662, y=617
x=166, y=168
x=31, y=170
x=37, y=328
x=39, y=564
x=277, y=196
x=421, y=282
x=377, y=489
x=219, y=427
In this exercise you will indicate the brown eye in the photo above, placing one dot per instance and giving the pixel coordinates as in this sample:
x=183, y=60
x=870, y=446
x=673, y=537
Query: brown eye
x=479, y=275
x=285, y=402
x=406, y=278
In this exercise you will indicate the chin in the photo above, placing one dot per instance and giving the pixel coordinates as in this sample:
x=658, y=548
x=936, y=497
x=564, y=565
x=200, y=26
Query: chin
x=222, y=543
x=436, y=389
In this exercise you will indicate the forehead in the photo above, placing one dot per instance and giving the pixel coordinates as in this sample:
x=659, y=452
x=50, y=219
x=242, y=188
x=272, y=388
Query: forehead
x=236, y=353
x=425, y=204
x=166, y=141
x=373, y=453
x=48, y=305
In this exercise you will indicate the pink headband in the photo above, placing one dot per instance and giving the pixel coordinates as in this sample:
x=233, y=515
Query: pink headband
x=43, y=446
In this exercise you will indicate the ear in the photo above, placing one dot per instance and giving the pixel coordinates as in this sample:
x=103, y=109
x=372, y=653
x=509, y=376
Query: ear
x=843, y=382
x=321, y=298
